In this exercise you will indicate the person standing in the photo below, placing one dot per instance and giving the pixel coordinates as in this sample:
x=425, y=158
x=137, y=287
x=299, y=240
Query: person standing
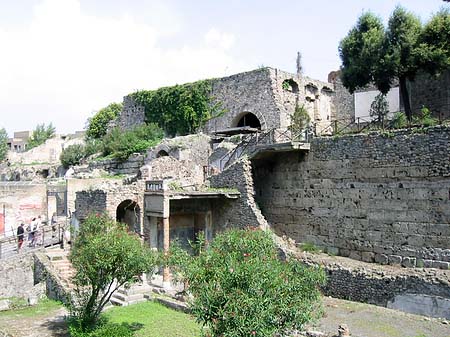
x=30, y=232
x=20, y=236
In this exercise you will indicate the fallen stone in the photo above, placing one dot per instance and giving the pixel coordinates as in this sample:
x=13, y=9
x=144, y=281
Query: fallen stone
x=343, y=330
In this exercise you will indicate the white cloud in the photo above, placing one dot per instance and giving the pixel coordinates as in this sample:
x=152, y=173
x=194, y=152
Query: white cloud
x=64, y=64
x=221, y=39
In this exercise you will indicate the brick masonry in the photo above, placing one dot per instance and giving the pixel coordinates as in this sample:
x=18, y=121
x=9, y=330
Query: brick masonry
x=377, y=198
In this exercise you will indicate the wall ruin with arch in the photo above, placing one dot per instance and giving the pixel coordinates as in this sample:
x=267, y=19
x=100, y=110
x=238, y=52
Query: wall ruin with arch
x=268, y=93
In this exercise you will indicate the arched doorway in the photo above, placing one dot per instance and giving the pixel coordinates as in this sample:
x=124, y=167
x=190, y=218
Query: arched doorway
x=250, y=120
x=162, y=153
x=129, y=212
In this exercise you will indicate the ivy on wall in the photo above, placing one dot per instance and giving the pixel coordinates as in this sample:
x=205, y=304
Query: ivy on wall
x=180, y=109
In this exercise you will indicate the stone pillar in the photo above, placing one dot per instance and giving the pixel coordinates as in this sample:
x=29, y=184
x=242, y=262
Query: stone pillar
x=166, y=246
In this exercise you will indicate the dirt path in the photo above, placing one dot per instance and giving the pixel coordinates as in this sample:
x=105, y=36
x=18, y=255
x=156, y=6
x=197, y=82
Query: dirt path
x=49, y=324
x=366, y=320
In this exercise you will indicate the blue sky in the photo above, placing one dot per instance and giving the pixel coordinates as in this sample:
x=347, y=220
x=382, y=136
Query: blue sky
x=62, y=60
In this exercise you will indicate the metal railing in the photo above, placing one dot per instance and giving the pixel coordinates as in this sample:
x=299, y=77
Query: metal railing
x=47, y=235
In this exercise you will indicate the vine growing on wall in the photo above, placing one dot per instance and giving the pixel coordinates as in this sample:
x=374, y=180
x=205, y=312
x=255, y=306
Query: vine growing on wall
x=180, y=109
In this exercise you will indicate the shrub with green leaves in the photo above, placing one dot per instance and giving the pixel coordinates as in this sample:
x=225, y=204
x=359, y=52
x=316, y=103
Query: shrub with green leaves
x=241, y=288
x=121, y=144
x=72, y=155
x=180, y=109
x=40, y=134
x=3, y=144
x=98, y=124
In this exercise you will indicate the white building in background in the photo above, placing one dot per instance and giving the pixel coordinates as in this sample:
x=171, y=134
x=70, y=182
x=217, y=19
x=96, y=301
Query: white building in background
x=364, y=99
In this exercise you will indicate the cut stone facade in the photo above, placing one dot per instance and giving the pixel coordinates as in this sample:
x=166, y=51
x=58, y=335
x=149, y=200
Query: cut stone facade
x=375, y=197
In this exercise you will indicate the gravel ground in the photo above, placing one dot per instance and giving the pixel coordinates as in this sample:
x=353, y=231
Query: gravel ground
x=366, y=320
x=51, y=324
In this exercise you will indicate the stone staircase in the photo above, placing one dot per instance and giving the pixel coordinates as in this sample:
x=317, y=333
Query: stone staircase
x=62, y=266
x=134, y=294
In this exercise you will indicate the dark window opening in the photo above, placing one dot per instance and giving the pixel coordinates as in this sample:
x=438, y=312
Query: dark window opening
x=249, y=120
x=290, y=85
x=162, y=153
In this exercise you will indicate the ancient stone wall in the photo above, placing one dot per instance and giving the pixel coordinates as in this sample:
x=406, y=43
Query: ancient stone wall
x=113, y=166
x=385, y=285
x=242, y=93
x=375, y=197
x=244, y=211
x=107, y=196
x=16, y=277
x=269, y=94
x=433, y=93
x=132, y=114
x=343, y=101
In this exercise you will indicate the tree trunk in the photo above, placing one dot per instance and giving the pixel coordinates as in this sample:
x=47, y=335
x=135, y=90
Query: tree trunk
x=405, y=98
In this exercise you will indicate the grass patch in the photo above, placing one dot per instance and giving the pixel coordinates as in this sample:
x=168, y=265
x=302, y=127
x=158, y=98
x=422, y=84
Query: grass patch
x=155, y=320
x=43, y=307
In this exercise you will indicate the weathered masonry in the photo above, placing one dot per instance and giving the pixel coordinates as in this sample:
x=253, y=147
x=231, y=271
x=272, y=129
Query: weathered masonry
x=374, y=197
x=260, y=99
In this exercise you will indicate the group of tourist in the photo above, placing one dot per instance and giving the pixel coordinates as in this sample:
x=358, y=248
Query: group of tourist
x=33, y=231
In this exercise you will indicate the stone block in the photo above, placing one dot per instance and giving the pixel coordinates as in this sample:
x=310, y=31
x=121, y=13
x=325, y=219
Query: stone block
x=441, y=265
x=4, y=305
x=395, y=259
x=428, y=263
x=355, y=255
x=381, y=258
x=332, y=250
x=344, y=252
x=409, y=262
x=368, y=256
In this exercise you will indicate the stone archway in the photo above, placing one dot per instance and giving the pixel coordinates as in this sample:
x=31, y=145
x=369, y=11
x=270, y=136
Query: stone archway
x=247, y=119
x=129, y=212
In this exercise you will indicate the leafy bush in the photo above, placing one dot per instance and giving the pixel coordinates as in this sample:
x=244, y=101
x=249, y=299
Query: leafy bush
x=3, y=144
x=40, y=134
x=425, y=118
x=399, y=121
x=180, y=109
x=72, y=155
x=241, y=288
x=106, y=257
x=98, y=124
x=120, y=145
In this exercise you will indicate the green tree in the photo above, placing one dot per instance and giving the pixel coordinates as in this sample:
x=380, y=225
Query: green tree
x=241, y=288
x=299, y=120
x=106, y=257
x=379, y=108
x=372, y=54
x=98, y=124
x=434, y=50
x=3, y=144
x=41, y=133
